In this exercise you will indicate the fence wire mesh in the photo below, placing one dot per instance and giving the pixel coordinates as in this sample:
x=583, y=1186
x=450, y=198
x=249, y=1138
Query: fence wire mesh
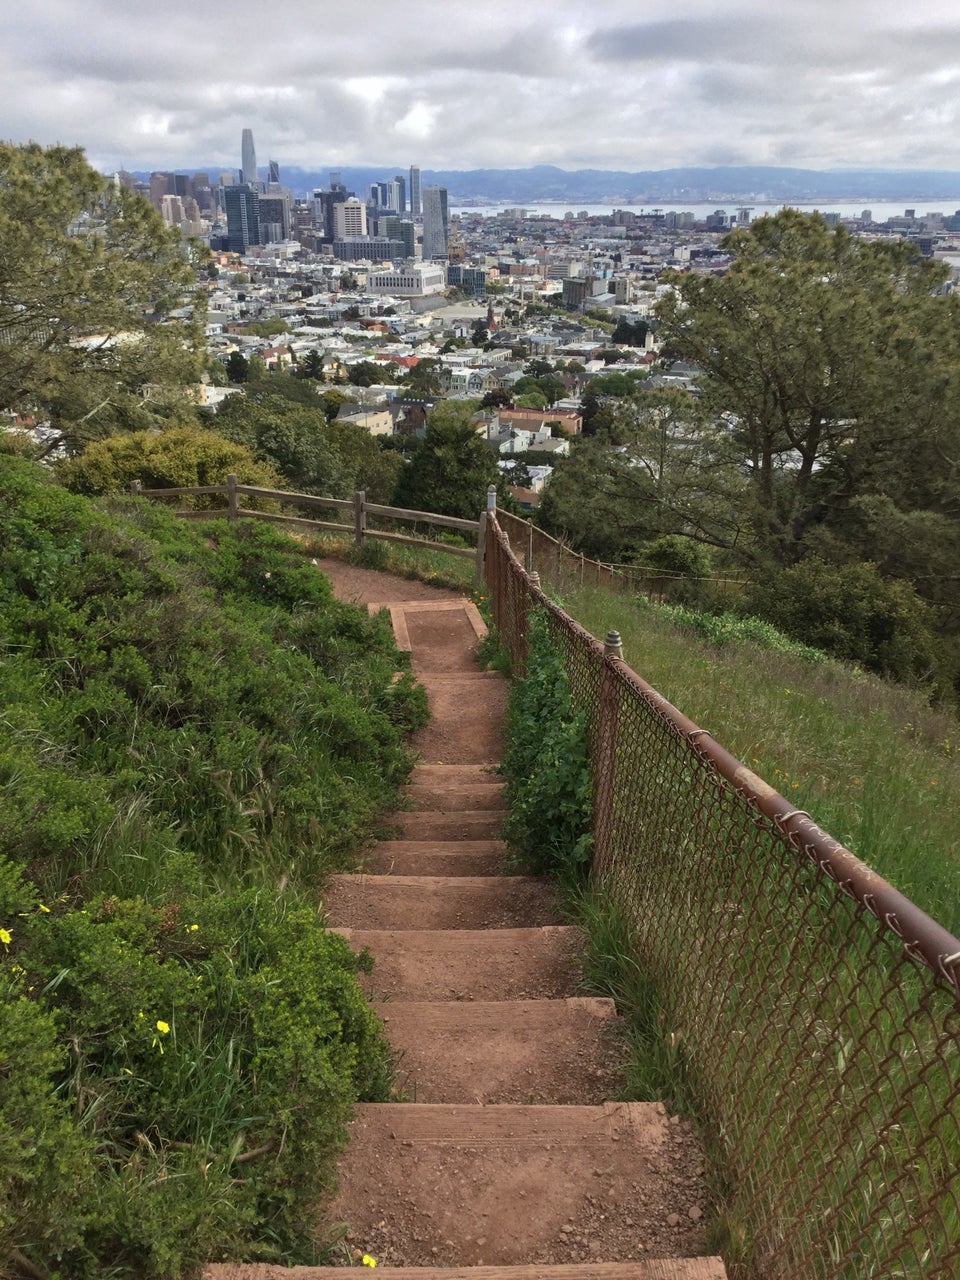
x=816, y=1011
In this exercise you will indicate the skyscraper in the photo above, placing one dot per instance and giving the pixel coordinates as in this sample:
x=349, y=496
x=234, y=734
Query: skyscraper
x=273, y=171
x=415, y=190
x=248, y=158
x=243, y=222
x=436, y=227
x=349, y=219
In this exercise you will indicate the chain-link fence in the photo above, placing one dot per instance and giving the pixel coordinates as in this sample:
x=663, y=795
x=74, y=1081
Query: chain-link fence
x=568, y=569
x=816, y=1010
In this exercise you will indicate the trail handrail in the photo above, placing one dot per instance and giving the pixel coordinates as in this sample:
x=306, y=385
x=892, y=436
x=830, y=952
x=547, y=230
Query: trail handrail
x=233, y=491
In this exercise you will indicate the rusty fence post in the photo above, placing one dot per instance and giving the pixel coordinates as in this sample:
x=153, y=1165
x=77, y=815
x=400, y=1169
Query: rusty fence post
x=481, y=546
x=233, y=506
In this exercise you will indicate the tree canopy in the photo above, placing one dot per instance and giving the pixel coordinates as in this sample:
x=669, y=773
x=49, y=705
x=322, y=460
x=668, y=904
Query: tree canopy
x=824, y=353
x=89, y=279
x=451, y=467
x=312, y=454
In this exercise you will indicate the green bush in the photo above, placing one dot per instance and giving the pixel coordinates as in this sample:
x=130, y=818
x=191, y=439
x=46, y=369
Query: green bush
x=852, y=612
x=548, y=789
x=191, y=731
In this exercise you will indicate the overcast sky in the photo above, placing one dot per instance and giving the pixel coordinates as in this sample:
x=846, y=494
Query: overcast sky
x=607, y=84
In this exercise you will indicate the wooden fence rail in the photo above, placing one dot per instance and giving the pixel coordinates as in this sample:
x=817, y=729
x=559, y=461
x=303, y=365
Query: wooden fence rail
x=358, y=506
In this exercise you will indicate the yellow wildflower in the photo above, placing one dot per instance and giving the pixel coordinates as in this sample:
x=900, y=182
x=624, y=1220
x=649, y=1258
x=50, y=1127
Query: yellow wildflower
x=6, y=937
x=41, y=907
x=163, y=1027
x=367, y=1261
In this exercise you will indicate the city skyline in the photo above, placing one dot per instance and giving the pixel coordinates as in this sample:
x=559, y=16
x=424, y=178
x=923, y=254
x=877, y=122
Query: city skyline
x=454, y=86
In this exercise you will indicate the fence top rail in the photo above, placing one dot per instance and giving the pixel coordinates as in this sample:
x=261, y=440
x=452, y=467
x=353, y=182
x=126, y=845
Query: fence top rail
x=284, y=495
x=428, y=517
x=180, y=493
x=922, y=937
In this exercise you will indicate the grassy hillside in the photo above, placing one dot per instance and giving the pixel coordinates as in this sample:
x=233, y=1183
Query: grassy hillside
x=868, y=759
x=193, y=731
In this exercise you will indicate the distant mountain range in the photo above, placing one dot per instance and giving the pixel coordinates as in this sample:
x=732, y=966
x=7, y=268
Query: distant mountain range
x=546, y=183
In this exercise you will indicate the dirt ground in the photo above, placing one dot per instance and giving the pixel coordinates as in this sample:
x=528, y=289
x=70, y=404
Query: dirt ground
x=480, y=989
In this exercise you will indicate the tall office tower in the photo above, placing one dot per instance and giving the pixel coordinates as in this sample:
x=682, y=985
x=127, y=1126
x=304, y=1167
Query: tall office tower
x=436, y=225
x=415, y=190
x=275, y=217
x=161, y=184
x=408, y=235
x=248, y=158
x=335, y=182
x=394, y=196
x=243, y=222
x=349, y=219
x=273, y=171
x=400, y=183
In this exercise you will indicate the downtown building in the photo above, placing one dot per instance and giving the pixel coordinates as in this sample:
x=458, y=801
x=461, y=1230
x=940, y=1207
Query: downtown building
x=243, y=217
x=436, y=224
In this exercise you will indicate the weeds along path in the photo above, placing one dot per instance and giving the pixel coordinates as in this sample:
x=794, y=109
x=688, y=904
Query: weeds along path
x=504, y=1157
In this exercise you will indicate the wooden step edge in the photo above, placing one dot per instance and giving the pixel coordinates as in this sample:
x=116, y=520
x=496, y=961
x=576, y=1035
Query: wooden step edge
x=460, y=939
x=536, y=1014
x=427, y=883
x=481, y=845
x=709, y=1268
x=425, y=771
x=452, y=815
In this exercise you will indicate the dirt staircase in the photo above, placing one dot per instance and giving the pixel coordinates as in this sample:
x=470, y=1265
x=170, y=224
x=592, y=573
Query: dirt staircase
x=504, y=1161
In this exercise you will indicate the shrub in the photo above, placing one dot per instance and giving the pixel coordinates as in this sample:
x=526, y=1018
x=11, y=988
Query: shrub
x=548, y=788
x=852, y=612
x=191, y=730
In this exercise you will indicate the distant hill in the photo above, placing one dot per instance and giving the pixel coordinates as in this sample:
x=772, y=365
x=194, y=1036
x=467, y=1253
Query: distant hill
x=691, y=185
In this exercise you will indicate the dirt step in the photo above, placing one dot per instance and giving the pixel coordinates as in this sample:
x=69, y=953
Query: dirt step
x=444, y=639
x=439, y=902
x=653, y=1269
x=452, y=795
x=467, y=713
x=478, y=824
x=468, y=964
x=458, y=775
x=505, y=1185
x=437, y=858
x=521, y=1051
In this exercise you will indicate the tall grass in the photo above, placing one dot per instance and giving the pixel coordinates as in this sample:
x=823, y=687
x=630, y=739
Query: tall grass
x=870, y=761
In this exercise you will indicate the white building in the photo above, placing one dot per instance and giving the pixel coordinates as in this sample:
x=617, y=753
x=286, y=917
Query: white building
x=415, y=281
x=349, y=219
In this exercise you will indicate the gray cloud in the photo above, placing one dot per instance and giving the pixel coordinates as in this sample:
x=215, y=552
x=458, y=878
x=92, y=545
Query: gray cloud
x=447, y=83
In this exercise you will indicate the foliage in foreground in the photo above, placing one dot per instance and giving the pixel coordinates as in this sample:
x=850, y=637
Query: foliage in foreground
x=548, y=788
x=89, y=280
x=192, y=731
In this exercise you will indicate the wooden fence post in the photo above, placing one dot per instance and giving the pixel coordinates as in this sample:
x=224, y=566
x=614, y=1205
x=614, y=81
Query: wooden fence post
x=135, y=486
x=359, y=517
x=529, y=554
x=233, y=506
